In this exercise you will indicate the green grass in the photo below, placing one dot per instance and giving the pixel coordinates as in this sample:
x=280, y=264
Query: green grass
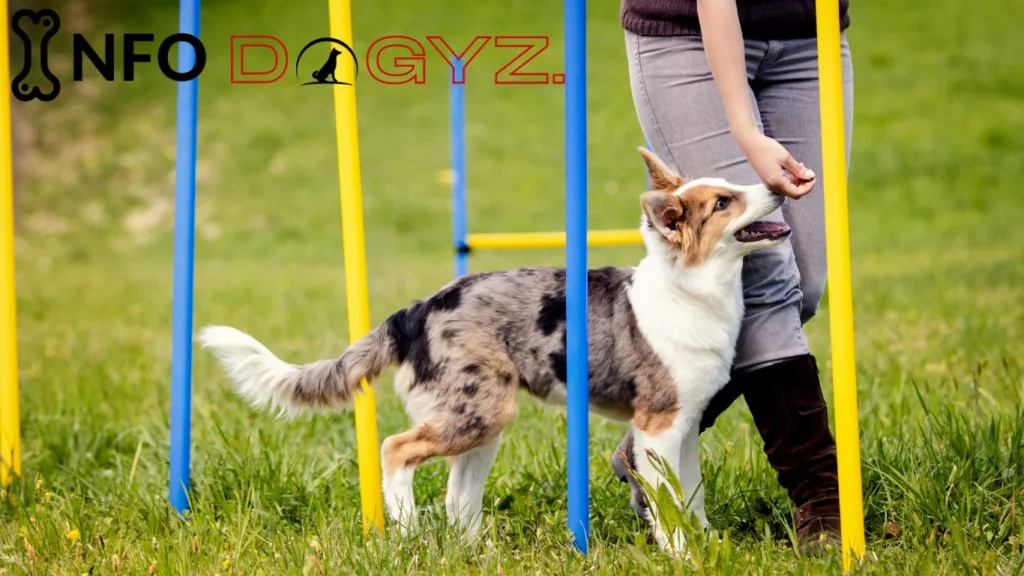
x=937, y=246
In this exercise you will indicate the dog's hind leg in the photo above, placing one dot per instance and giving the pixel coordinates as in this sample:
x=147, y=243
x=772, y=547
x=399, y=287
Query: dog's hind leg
x=468, y=434
x=469, y=470
x=400, y=455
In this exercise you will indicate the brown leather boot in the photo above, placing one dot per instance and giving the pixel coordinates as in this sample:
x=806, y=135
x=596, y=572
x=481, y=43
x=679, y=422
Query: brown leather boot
x=789, y=411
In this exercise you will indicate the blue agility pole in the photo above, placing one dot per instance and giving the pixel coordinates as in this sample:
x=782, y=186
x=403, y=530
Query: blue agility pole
x=184, y=246
x=457, y=121
x=576, y=269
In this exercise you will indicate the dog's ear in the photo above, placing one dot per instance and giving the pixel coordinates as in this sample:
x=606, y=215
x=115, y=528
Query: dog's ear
x=663, y=210
x=662, y=177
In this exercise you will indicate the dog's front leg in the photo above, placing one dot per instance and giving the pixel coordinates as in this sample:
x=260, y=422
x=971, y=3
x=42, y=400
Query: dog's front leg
x=690, y=475
x=667, y=443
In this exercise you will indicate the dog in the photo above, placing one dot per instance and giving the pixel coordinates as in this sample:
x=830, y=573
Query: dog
x=329, y=68
x=662, y=338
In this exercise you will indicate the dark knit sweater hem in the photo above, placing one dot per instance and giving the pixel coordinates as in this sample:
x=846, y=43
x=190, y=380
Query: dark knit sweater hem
x=643, y=17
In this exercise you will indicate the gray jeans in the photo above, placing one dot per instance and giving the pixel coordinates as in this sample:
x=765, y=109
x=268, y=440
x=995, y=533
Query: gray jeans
x=684, y=122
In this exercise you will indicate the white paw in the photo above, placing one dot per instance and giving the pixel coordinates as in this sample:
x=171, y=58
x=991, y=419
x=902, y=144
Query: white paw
x=674, y=544
x=406, y=523
x=467, y=527
x=404, y=517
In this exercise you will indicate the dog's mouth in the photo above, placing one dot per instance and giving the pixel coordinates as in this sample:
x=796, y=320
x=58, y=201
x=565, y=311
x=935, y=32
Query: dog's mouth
x=763, y=231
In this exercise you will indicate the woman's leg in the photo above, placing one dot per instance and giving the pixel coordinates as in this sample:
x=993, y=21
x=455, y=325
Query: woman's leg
x=682, y=117
x=786, y=88
x=785, y=399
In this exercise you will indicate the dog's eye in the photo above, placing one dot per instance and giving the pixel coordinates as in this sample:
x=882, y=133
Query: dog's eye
x=721, y=203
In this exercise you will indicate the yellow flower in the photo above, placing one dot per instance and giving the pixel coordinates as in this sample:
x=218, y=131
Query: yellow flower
x=226, y=563
x=73, y=535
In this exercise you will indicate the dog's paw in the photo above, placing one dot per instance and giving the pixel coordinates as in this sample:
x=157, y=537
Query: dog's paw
x=468, y=529
x=674, y=545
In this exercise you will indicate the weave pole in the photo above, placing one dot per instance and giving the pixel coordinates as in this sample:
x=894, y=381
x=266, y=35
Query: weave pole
x=840, y=290
x=184, y=264
x=576, y=269
x=457, y=133
x=10, y=421
x=531, y=240
x=353, y=239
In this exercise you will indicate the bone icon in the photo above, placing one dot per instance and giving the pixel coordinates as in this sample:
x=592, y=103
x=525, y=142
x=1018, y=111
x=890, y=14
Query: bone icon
x=20, y=86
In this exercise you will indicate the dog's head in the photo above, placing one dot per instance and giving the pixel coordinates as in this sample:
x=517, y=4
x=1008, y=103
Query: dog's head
x=694, y=221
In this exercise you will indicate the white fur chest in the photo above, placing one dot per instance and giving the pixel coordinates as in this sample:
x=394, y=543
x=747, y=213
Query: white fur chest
x=691, y=324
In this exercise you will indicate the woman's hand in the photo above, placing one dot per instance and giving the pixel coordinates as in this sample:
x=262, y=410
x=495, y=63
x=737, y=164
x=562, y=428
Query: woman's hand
x=779, y=171
x=723, y=44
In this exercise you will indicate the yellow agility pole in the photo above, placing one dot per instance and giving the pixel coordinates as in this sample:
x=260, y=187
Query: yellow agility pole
x=10, y=422
x=512, y=241
x=840, y=291
x=367, y=449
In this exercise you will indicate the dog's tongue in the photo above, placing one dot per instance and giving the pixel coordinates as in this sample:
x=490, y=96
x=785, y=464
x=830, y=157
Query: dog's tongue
x=767, y=227
x=762, y=230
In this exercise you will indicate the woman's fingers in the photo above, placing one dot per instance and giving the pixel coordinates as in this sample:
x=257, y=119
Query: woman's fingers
x=803, y=185
x=798, y=169
x=787, y=188
x=799, y=180
x=784, y=184
x=802, y=189
x=778, y=169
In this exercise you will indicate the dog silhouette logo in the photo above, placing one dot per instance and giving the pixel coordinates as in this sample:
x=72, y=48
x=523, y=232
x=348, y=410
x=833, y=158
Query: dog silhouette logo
x=49, y=20
x=325, y=74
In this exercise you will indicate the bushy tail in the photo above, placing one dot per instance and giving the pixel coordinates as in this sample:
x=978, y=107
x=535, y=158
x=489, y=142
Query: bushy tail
x=266, y=380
